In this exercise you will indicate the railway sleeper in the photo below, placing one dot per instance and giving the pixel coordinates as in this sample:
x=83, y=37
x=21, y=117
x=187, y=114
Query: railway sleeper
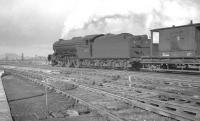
x=172, y=111
x=187, y=101
x=153, y=103
x=146, y=106
x=182, y=111
x=85, y=103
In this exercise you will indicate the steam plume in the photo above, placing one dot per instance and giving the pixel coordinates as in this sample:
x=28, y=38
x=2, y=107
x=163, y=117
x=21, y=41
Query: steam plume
x=128, y=16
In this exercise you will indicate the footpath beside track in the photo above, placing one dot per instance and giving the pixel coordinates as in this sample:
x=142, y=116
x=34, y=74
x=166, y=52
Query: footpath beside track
x=4, y=107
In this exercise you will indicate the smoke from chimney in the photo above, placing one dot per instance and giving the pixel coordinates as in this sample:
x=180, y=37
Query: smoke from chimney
x=132, y=16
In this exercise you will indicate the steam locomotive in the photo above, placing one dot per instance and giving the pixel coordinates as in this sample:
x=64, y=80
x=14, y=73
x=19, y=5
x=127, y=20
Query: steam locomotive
x=178, y=49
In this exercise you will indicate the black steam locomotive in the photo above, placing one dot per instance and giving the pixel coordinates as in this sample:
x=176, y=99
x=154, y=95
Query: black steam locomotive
x=178, y=48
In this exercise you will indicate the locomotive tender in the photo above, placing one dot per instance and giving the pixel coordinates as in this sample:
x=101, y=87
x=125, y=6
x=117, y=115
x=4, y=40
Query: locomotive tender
x=178, y=48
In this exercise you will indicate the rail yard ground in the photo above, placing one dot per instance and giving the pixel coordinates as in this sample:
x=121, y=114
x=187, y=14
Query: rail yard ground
x=27, y=103
x=94, y=94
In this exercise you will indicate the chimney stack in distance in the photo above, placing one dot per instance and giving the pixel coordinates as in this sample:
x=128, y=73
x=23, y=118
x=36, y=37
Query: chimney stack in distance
x=191, y=22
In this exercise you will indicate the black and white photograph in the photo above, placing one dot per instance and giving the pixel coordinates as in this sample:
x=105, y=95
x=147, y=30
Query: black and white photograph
x=99, y=60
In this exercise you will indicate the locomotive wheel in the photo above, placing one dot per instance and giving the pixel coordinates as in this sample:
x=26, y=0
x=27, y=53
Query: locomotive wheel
x=136, y=65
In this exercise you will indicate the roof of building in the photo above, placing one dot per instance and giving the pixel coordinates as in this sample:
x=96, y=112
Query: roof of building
x=187, y=25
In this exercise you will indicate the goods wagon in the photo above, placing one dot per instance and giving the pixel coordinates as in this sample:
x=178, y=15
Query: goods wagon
x=179, y=42
x=178, y=47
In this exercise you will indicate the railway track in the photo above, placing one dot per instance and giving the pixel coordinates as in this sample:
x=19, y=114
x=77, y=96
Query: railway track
x=144, y=79
x=101, y=101
x=167, y=97
x=181, y=105
x=39, y=80
x=166, y=108
x=153, y=78
x=104, y=72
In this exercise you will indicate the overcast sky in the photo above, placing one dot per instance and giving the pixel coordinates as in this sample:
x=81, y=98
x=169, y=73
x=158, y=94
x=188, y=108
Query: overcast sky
x=32, y=26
